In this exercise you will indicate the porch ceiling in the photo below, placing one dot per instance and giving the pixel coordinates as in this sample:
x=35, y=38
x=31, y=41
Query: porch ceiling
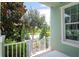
x=55, y=4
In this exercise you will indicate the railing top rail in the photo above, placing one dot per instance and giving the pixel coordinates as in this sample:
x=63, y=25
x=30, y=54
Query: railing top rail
x=15, y=43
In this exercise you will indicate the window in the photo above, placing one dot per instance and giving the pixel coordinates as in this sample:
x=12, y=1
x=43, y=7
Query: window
x=70, y=18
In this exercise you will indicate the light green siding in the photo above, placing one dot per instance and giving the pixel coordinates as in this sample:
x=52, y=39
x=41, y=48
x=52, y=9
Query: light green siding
x=56, y=34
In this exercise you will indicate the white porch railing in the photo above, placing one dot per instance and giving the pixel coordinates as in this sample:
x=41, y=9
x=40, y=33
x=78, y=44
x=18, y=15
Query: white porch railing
x=19, y=49
x=12, y=49
x=23, y=49
x=40, y=45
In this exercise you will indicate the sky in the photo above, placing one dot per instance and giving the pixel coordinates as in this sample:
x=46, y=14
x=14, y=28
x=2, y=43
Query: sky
x=43, y=9
x=35, y=5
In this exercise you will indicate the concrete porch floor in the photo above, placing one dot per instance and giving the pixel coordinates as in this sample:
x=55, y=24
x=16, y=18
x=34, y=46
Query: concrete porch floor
x=54, y=53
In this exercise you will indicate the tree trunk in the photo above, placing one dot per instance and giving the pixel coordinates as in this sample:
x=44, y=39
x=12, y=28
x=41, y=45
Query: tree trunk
x=32, y=34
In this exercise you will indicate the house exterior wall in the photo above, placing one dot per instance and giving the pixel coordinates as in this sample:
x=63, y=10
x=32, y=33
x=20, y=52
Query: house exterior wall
x=56, y=34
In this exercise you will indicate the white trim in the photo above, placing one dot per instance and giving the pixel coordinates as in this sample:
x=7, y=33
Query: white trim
x=71, y=43
x=73, y=23
x=63, y=40
x=69, y=5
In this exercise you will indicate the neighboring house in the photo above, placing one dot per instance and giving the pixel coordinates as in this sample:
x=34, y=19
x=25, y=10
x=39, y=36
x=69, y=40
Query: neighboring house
x=64, y=27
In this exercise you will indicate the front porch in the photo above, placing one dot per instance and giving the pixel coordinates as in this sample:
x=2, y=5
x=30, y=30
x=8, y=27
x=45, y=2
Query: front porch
x=56, y=47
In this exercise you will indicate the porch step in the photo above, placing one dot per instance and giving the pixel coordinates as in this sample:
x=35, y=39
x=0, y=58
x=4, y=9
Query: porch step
x=54, y=53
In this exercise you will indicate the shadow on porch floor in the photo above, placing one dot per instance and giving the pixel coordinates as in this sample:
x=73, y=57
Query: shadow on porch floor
x=54, y=53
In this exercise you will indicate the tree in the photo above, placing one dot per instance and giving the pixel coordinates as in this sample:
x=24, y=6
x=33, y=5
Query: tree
x=11, y=12
x=45, y=31
x=33, y=21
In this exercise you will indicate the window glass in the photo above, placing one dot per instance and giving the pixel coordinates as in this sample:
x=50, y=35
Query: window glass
x=78, y=35
x=73, y=27
x=74, y=9
x=74, y=35
x=68, y=27
x=71, y=22
x=78, y=17
x=67, y=19
x=67, y=11
x=68, y=34
x=78, y=8
x=74, y=18
x=78, y=26
x=67, y=15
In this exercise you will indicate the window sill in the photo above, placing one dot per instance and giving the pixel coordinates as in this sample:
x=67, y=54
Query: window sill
x=71, y=43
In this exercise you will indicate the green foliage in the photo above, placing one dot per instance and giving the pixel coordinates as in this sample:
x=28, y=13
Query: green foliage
x=11, y=25
x=45, y=31
x=33, y=21
x=9, y=40
x=24, y=33
x=17, y=29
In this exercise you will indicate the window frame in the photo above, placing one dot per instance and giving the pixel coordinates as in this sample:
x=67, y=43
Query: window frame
x=63, y=34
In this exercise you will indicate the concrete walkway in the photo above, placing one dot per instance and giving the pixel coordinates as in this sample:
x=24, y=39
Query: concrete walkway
x=52, y=54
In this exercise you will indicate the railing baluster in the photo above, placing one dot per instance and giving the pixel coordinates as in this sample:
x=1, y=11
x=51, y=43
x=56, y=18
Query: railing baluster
x=23, y=49
x=7, y=51
x=16, y=50
x=20, y=49
x=12, y=50
x=44, y=43
x=40, y=45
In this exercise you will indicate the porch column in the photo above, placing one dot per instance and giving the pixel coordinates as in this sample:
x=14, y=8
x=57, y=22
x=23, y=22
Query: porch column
x=2, y=37
x=55, y=27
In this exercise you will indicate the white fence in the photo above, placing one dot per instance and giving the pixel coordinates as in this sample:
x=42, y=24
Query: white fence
x=19, y=49
x=24, y=48
x=40, y=45
x=15, y=49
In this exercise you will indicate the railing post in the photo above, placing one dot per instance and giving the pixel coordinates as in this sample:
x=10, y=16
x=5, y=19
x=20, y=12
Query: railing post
x=49, y=42
x=44, y=42
x=2, y=37
x=29, y=48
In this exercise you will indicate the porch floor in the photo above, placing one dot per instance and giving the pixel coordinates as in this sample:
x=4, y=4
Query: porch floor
x=54, y=53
